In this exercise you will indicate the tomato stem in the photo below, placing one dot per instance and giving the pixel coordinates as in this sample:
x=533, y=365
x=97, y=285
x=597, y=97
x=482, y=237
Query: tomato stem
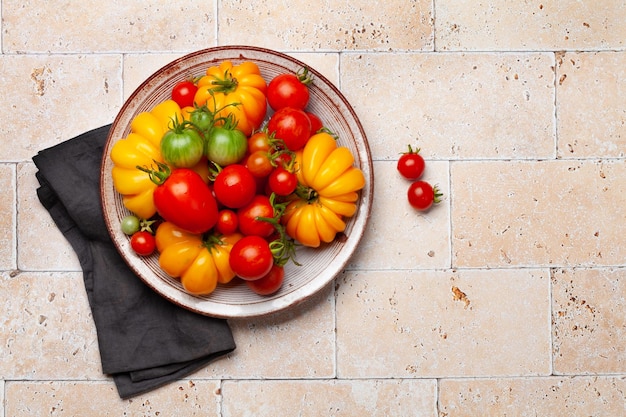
x=159, y=175
x=304, y=76
x=226, y=85
x=283, y=248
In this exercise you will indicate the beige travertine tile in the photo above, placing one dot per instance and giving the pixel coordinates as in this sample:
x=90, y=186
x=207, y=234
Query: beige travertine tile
x=47, y=328
x=359, y=25
x=591, y=98
x=7, y=217
x=398, y=236
x=589, y=330
x=41, y=246
x=554, y=397
x=559, y=213
x=265, y=346
x=455, y=105
x=95, y=399
x=413, y=324
x=138, y=67
x=507, y=25
x=130, y=25
x=54, y=98
x=339, y=398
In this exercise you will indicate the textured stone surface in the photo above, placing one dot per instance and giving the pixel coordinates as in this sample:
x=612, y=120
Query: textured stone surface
x=7, y=217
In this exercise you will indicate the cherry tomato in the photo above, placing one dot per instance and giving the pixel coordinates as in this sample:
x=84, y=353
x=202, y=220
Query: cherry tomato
x=270, y=283
x=251, y=258
x=316, y=122
x=227, y=223
x=130, y=225
x=259, y=164
x=411, y=164
x=422, y=195
x=259, y=141
x=234, y=186
x=289, y=90
x=184, y=92
x=248, y=217
x=291, y=125
x=282, y=182
x=143, y=243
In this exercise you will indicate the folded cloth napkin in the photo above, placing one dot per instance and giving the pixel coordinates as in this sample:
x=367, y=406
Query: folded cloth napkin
x=145, y=341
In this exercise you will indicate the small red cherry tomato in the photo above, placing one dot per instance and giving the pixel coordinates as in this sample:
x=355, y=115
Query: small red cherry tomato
x=251, y=258
x=291, y=125
x=422, y=195
x=411, y=164
x=227, y=223
x=143, y=243
x=270, y=283
x=282, y=182
x=183, y=93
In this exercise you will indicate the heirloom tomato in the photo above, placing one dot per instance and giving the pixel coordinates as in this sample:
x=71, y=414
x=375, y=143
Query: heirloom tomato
x=141, y=148
x=182, y=146
x=199, y=263
x=251, y=258
x=225, y=145
x=184, y=199
x=328, y=191
x=289, y=90
x=234, y=89
x=291, y=125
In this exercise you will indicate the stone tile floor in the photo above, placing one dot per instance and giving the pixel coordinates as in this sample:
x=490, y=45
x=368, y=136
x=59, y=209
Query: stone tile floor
x=507, y=299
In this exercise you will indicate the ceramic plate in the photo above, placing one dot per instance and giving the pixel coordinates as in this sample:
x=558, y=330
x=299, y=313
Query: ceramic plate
x=318, y=266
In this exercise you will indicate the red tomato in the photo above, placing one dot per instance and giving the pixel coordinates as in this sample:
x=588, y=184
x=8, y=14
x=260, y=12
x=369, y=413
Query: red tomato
x=270, y=283
x=183, y=93
x=411, y=164
x=422, y=195
x=288, y=90
x=316, y=122
x=291, y=125
x=143, y=243
x=259, y=141
x=187, y=201
x=259, y=164
x=248, y=217
x=282, y=182
x=234, y=186
x=227, y=223
x=251, y=258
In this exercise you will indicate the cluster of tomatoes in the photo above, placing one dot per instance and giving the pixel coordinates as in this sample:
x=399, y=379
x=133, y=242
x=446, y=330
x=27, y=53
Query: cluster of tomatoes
x=421, y=194
x=211, y=183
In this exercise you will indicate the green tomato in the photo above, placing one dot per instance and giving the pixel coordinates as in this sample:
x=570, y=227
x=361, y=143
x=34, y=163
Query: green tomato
x=130, y=224
x=182, y=147
x=202, y=119
x=226, y=146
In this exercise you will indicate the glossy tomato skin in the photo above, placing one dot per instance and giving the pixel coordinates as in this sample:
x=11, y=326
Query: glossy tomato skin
x=251, y=258
x=225, y=146
x=411, y=165
x=291, y=125
x=182, y=147
x=248, y=217
x=187, y=201
x=282, y=182
x=234, y=186
x=183, y=93
x=316, y=122
x=143, y=243
x=422, y=195
x=227, y=222
x=287, y=90
x=270, y=283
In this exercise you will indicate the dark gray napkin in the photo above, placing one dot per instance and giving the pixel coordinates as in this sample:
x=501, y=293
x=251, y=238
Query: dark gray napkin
x=145, y=341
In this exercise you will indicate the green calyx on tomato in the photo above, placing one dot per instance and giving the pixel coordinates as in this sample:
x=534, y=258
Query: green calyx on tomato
x=225, y=144
x=182, y=146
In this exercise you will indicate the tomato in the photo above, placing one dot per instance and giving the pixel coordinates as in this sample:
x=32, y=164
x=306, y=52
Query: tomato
x=270, y=283
x=184, y=92
x=259, y=164
x=422, y=195
x=316, y=122
x=234, y=186
x=291, y=125
x=225, y=145
x=248, y=217
x=227, y=222
x=411, y=164
x=184, y=199
x=234, y=89
x=251, y=258
x=202, y=119
x=259, y=141
x=182, y=147
x=142, y=243
x=282, y=182
x=289, y=90
x=130, y=225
